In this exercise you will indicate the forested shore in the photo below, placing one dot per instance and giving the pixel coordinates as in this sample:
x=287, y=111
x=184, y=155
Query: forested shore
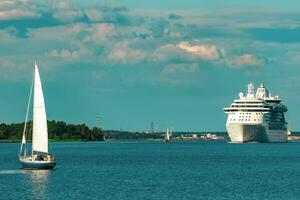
x=57, y=130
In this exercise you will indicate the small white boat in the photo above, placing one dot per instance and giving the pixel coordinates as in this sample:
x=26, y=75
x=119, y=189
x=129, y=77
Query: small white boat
x=289, y=130
x=40, y=157
x=167, y=135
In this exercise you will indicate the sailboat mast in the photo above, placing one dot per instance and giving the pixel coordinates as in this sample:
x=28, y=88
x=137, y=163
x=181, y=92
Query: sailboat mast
x=26, y=118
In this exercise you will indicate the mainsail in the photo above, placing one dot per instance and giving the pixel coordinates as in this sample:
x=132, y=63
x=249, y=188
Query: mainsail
x=40, y=130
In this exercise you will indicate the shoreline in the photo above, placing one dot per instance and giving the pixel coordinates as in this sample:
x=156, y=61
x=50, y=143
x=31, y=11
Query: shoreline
x=149, y=140
x=142, y=140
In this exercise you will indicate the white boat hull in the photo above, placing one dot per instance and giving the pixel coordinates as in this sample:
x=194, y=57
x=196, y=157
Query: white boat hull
x=241, y=133
x=37, y=164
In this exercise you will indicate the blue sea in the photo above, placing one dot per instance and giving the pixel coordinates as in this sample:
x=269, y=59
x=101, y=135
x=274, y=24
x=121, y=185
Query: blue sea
x=155, y=170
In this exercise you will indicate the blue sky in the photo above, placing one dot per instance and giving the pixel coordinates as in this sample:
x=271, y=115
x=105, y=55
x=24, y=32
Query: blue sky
x=177, y=63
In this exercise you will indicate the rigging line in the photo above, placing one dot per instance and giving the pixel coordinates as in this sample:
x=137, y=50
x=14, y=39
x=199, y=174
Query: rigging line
x=26, y=118
x=30, y=130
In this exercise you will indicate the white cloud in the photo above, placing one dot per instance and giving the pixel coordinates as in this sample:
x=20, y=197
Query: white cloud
x=76, y=28
x=18, y=9
x=166, y=53
x=246, y=60
x=206, y=52
x=94, y=14
x=63, y=5
x=67, y=15
x=184, y=51
x=99, y=32
x=66, y=11
x=17, y=13
x=4, y=4
x=182, y=67
x=122, y=53
x=64, y=53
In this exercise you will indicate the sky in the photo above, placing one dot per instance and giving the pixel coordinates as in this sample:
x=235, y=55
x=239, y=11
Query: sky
x=176, y=63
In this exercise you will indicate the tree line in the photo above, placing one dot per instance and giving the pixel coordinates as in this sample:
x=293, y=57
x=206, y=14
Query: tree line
x=57, y=130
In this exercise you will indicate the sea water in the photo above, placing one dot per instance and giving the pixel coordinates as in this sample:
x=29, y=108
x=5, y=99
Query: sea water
x=156, y=170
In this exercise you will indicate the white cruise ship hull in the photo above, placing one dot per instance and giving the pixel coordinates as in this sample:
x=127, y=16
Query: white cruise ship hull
x=242, y=133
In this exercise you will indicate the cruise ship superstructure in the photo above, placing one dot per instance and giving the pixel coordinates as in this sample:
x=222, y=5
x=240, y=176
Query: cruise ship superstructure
x=256, y=117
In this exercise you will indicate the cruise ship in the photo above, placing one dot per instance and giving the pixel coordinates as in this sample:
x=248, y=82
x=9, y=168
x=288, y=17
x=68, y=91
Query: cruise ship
x=256, y=117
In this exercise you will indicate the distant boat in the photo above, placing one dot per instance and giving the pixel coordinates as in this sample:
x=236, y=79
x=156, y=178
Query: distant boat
x=168, y=135
x=289, y=131
x=40, y=157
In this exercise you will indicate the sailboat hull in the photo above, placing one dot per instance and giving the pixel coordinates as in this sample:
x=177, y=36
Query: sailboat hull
x=36, y=164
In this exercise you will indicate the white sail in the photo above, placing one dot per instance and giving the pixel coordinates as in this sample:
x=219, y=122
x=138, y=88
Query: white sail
x=40, y=130
x=23, y=144
x=167, y=135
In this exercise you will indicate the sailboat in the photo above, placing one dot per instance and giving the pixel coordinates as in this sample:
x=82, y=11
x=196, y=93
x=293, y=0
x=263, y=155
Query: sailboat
x=167, y=135
x=40, y=157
